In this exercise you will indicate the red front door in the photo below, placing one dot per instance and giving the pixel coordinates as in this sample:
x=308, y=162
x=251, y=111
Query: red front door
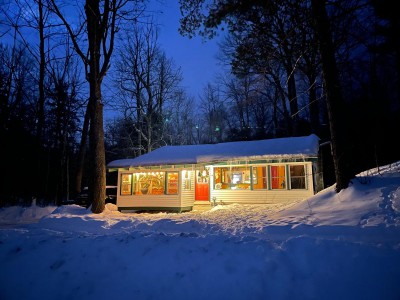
x=202, y=187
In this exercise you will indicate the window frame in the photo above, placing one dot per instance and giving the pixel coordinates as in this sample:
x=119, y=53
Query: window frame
x=303, y=176
x=261, y=182
x=128, y=184
x=225, y=176
x=167, y=184
x=139, y=185
x=277, y=176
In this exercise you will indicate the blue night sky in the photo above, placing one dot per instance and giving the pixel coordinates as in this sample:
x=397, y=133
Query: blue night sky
x=197, y=58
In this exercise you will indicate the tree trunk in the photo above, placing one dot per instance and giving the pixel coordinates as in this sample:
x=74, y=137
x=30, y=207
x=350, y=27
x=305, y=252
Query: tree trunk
x=97, y=181
x=40, y=106
x=313, y=104
x=42, y=63
x=335, y=103
x=82, y=152
x=292, y=97
x=97, y=170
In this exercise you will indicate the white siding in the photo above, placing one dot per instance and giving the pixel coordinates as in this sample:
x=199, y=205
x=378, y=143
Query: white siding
x=149, y=201
x=259, y=196
x=187, y=196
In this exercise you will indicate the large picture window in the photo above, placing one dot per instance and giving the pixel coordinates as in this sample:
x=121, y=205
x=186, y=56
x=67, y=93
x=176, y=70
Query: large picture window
x=233, y=178
x=151, y=183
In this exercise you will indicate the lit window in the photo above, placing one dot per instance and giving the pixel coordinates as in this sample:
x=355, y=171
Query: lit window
x=202, y=176
x=172, y=183
x=259, y=178
x=150, y=183
x=217, y=178
x=278, y=177
x=126, y=184
x=232, y=178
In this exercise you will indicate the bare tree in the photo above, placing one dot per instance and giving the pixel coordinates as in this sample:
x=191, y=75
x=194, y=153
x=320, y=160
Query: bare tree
x=149, y=82
x=213, y=115
x=249, y=100
x=103, y=20
x=63, y=104
x=265, y=97
x=179, y=120
x=17, y=106
x=27, y=16
x=29, y=19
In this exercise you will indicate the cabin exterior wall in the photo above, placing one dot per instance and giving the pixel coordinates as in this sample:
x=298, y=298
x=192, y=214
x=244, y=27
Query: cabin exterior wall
x=246, y=193
x=182, y=201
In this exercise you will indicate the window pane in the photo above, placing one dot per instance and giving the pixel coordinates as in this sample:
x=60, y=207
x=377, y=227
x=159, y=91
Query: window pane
x=172, y=183
x=232, y=178
x=240, y=178
x=297, y=177
x=259, y=178
x=151, y=183
x=126, y=184
x=278, y=175
x=217, y=178
x=222, y=178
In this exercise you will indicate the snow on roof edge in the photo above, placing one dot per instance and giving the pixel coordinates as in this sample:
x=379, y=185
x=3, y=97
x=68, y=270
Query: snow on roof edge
x=306, y=146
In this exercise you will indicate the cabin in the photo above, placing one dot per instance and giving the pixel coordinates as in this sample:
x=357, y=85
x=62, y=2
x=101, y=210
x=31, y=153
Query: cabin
x=175, y=178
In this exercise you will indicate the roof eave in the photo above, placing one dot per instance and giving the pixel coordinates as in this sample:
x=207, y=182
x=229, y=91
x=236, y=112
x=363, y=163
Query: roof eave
x=211, y=161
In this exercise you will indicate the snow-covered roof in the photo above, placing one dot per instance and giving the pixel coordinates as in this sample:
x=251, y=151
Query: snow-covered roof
x=305, y=146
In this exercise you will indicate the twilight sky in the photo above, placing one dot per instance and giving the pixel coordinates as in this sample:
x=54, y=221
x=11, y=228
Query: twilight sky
x=195, y=57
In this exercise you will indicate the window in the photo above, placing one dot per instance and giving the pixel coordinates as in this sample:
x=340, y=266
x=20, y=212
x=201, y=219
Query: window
x=232, y=178
x=202, y=176
x=297, y=177
x=275, y=177
x=150, y=183
x=278, y=177
x=217, y=178
x=259, y=178
x=172, y=183
x=153, y=183
x=126, y=184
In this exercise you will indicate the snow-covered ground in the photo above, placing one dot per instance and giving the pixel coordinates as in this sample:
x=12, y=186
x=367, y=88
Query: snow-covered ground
x=332, y=246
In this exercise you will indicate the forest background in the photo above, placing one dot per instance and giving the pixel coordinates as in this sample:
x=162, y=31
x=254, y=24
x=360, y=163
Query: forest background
x=272, y=86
